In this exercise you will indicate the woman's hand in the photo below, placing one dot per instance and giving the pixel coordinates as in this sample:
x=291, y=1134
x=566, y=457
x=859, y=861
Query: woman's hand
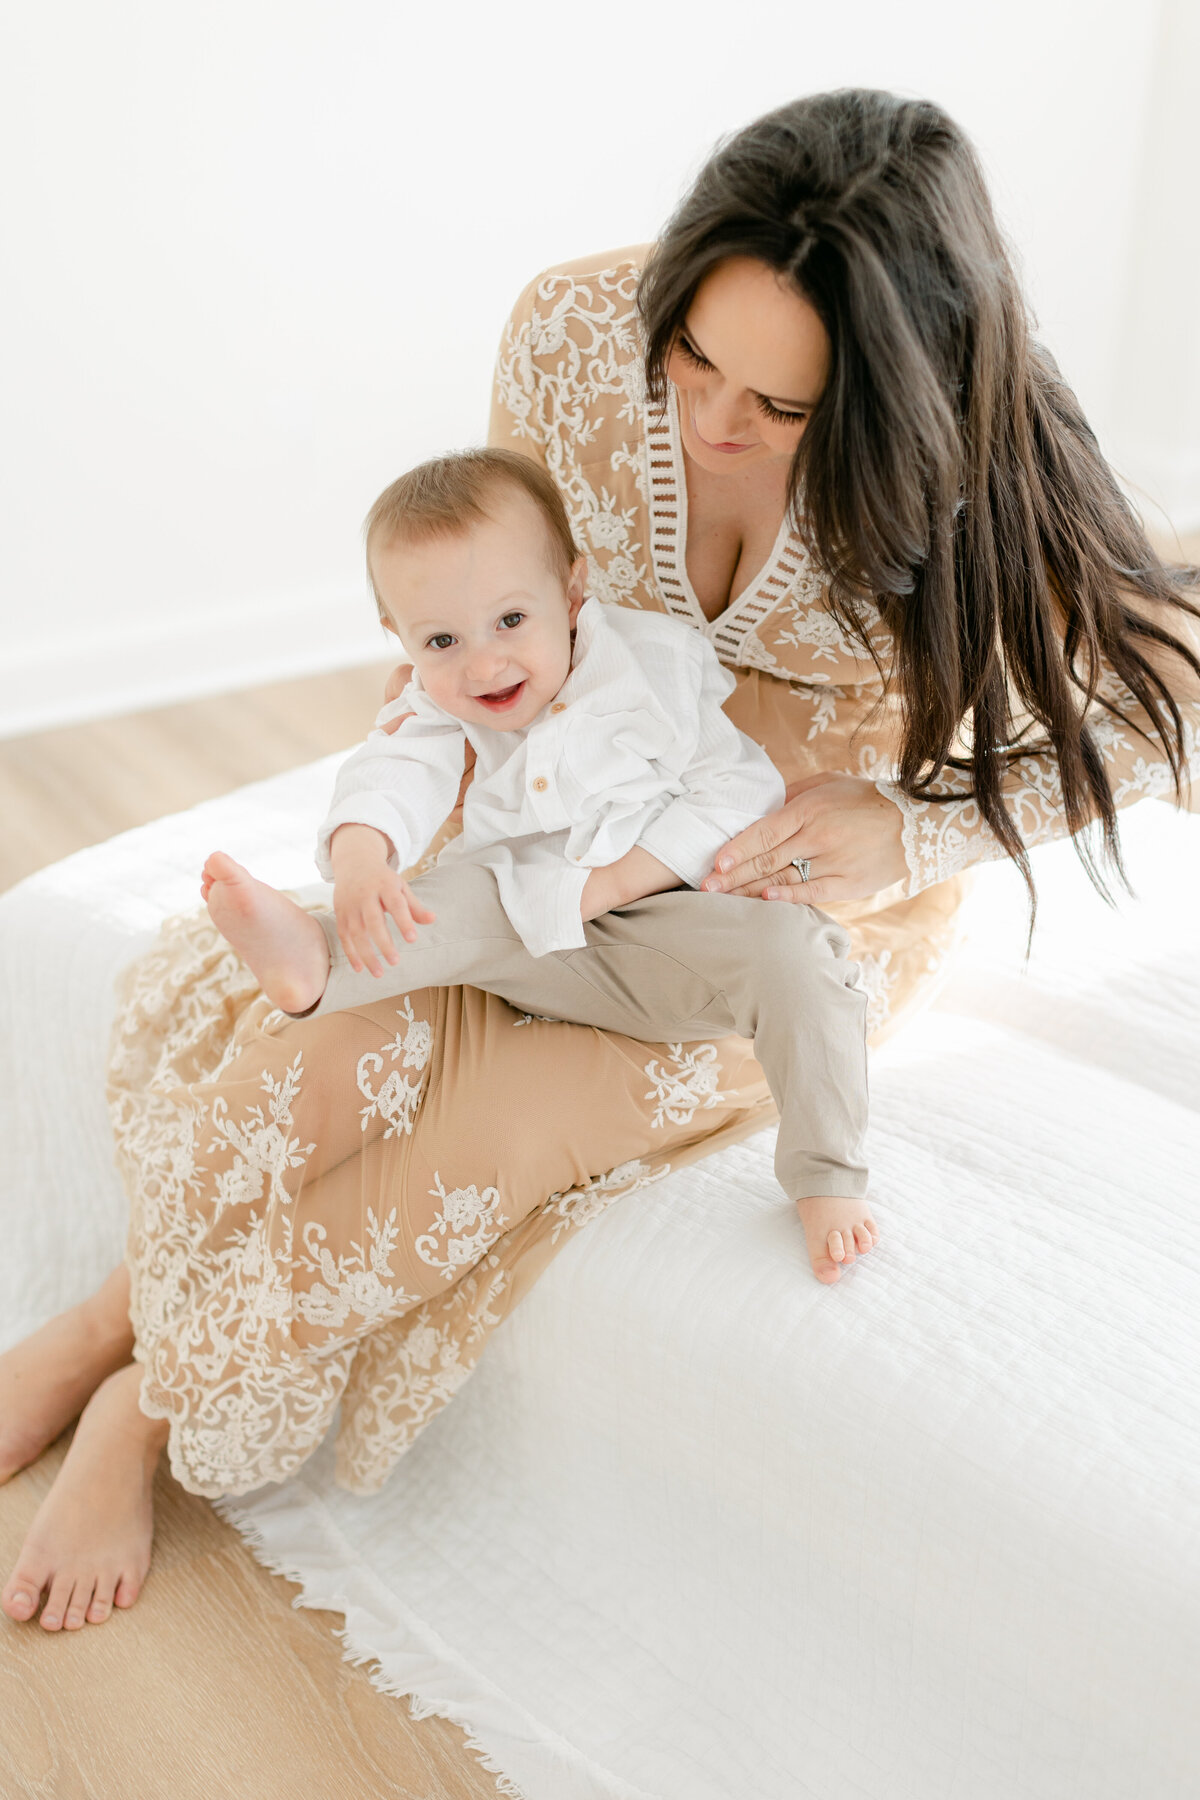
x=397, y=681
x=849, y=831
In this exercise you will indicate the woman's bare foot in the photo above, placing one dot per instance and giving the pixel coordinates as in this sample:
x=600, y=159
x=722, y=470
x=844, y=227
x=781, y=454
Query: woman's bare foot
x=46, y=1380
x=89, y=1544
x=836, y=1232
x=279, y=942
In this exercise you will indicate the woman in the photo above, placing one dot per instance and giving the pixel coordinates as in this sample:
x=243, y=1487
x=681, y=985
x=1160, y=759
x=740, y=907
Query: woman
x=812, y=425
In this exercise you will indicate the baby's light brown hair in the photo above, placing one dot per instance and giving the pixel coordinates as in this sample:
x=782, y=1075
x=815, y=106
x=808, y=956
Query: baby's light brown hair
x=443, y=497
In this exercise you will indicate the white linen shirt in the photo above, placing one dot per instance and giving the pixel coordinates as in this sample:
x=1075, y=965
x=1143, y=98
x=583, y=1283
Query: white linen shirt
x=634, y=749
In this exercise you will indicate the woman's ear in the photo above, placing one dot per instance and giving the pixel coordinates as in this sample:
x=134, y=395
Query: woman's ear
x=577, y=586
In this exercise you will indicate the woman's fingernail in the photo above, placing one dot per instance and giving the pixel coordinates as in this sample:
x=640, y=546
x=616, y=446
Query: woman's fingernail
x=724, y=863
x=771, y=894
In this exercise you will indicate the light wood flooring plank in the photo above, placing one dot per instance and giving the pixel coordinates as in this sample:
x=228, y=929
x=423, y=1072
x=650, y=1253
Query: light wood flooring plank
x=62, y=790
x=212, y=1685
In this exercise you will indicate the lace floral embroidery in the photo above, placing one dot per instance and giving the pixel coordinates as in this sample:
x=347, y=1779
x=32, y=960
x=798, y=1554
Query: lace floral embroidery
x=943, y=838
x=686, y=1086
x=398, y=1097
x=468, y=1224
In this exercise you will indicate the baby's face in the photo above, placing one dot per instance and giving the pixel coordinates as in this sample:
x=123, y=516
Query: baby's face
x=484, y=618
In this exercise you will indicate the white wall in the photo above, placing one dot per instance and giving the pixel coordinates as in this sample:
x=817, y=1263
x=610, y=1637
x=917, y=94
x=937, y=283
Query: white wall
x=260, y=253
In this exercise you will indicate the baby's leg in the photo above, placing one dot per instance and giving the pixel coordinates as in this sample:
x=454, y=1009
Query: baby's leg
x=689, y=966
x=284, y=946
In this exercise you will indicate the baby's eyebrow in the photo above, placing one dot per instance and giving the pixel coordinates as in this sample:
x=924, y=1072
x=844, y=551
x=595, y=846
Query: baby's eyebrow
x=443, y=625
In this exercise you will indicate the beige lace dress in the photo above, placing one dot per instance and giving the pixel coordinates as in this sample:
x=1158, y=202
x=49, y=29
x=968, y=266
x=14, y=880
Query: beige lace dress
x=343, y=1209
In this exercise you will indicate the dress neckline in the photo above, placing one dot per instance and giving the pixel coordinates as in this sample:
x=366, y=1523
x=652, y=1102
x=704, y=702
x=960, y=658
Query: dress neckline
x=668, y=544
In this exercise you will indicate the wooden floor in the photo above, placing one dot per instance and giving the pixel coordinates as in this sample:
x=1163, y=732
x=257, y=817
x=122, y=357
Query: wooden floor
x=212, y=1687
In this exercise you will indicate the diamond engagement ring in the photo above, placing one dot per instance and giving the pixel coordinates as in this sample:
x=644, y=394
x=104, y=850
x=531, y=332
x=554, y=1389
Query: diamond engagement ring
x=801, y=863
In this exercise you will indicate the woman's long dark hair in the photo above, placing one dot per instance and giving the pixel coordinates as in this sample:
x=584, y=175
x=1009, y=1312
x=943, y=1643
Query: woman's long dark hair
x=947, y=472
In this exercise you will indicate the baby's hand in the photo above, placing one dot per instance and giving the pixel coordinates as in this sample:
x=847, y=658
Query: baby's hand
x=365, y=894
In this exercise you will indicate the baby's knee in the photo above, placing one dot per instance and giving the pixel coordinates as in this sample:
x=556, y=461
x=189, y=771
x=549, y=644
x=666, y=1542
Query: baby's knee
x=793, y=944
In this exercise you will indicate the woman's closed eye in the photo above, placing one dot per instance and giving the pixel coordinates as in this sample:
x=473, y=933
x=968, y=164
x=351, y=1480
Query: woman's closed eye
x=776, y=413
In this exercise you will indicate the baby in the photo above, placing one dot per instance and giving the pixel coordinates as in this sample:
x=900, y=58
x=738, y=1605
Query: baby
x=606, y=775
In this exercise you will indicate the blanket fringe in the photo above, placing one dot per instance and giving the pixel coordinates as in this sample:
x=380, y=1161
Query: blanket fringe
x=320, y=1592
x=357, y=1654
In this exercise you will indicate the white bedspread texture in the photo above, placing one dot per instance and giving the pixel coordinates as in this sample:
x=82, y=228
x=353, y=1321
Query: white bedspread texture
x=699, y=1528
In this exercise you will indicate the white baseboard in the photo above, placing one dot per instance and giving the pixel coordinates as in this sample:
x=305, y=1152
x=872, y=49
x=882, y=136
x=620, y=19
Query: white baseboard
x=71, y=682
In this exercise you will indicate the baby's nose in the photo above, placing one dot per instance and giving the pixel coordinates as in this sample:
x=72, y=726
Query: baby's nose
x=483, y=664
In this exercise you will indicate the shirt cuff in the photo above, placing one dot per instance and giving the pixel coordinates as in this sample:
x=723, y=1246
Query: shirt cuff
x=685, y=843
x=361, y=809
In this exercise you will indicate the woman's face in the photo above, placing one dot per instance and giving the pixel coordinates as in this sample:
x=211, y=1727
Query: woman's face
x=749, y=365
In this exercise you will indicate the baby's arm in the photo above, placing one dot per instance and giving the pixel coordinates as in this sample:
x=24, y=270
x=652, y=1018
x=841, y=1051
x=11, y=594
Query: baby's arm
x=630, y=878
x=390, y=798
x=402, y=781
x=727, y=778
x=366, y=889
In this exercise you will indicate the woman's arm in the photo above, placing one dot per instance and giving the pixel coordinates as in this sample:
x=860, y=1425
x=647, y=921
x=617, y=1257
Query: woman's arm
x=942, y=838
x=864, y=836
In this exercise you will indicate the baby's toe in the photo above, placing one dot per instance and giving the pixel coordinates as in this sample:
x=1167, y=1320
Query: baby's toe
x=841, y=1247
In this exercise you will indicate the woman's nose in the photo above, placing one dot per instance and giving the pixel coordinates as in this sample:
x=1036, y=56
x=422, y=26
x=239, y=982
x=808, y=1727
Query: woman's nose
x=720, y=418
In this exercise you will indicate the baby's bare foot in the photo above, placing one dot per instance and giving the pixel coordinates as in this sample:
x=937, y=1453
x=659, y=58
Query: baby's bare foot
x=89, y=1544
x=836, y=1232
x=281, y=944
x=50, y=1376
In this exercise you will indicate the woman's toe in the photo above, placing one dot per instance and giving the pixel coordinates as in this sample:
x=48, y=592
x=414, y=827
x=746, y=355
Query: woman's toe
x=102, y=1600
x=81, y=1599
x=128, y=1589
x=55, y=1609
x=24, y=1590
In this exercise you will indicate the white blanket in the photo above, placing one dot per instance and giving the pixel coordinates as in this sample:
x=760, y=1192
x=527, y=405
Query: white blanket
x=699, y=1528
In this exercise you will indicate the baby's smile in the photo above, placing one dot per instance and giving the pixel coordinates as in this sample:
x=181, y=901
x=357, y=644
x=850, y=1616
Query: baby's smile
x=502, y=700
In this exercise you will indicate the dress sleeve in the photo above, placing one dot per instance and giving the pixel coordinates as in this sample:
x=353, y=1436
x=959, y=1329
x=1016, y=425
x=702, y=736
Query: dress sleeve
x=943, y=838
x=729, y=783
x=516, y=415
x=404, y=782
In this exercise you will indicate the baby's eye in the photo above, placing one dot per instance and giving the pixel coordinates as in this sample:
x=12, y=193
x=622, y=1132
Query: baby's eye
x=441, y=640
x=510, y=620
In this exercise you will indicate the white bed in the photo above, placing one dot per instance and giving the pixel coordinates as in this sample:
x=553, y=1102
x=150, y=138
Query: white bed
x=699, y=1528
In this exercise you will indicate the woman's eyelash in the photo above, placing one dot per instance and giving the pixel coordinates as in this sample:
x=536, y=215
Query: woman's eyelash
x=693, y=355
x=773, y=412
x=768, y=411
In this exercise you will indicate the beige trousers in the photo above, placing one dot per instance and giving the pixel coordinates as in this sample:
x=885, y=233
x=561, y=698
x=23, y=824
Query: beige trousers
x=675, y=967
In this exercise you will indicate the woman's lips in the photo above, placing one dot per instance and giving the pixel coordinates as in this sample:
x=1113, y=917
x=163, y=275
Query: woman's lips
x=502, y=698
x=728, y=447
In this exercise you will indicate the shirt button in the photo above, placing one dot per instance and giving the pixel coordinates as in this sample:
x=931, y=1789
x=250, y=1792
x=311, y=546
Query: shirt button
x=559, y=706
x=540, y=785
